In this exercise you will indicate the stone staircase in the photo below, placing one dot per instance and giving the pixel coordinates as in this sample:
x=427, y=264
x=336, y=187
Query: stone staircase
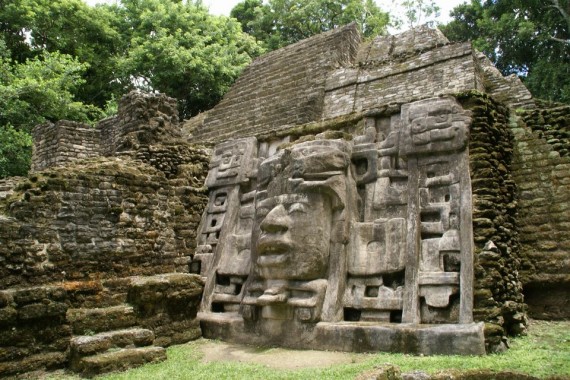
x=96, y=326
x=107, y=339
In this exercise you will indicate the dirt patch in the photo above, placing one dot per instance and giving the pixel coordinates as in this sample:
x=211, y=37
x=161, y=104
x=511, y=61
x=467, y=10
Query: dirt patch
x=278, y=358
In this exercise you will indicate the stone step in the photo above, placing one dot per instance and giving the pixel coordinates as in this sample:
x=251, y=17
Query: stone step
x=119, y=360
x=89, y=321
x=87, y=345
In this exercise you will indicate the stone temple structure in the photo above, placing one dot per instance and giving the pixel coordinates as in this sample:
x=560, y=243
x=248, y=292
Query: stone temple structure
x=357, y=239
x=397, y=194
x=330, y=241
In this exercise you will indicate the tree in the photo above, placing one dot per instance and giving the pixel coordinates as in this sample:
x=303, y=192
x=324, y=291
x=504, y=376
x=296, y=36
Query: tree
x=419, y=12
x=71, y=27
x=41, y=89
x=529, y=38
x=252, y=15
x=31, y=93
x=181, y=50
x=15, y=152
x=282, y=22
x=62, y=59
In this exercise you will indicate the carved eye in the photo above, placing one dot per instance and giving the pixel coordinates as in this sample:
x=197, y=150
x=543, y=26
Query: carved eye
x=297, y=208
x=442, y=118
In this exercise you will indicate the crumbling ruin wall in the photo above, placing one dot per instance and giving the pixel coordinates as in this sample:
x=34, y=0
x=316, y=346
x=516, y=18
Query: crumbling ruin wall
x=98, y=249
x=507, y=90
x=542, y=172
x=101, y=219
x=64, y=142
x=498, y=298
x=109, y=217
x=142, y=120
x=58, y=325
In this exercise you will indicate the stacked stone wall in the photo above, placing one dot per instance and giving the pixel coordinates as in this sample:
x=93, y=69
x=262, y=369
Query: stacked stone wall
x=7, y=186
x=62, y=143
x=110, y=133
x=105, y=218
x=498, y=296
x=542, y=172
x=33, y=330
x=143, y=119
x=508, y=90
x=334, y=76
x=108, y=216
x=284, y=87
x=440, y=70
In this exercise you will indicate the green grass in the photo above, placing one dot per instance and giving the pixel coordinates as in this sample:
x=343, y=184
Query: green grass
x=544, y=352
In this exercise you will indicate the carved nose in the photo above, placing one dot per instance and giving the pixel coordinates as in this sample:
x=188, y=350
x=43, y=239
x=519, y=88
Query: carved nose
x=277, y=220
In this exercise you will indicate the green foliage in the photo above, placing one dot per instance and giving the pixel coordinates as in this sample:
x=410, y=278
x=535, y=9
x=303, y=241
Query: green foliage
x=40, y=90
x=33, y=92
x=15, y=152
x=62, y=59
x=419, y=12
x=90, y=34
x=179, y=49
x=171, y=46
x=530, y=38
x=282, y=22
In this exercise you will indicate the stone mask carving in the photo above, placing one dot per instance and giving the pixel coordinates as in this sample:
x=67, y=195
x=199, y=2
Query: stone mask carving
x=295, y=236
x=376, y=229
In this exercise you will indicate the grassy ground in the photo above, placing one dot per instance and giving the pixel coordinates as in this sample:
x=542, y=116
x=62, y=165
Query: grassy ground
x=544, y=352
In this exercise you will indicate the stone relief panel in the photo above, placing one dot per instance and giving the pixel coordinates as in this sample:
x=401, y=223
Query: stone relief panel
x=432, y=126
x=376, y=229
x=224, y=240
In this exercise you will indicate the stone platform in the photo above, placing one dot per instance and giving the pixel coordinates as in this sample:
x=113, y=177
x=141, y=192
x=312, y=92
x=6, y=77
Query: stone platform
x=441, y=339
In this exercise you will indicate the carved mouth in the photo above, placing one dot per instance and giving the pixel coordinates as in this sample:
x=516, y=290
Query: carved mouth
x=272, y=251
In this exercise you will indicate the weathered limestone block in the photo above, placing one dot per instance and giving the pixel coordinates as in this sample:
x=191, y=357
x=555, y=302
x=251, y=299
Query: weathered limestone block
x=168, y=305
x=62, y=143
x=390, y=372
x=119, y=360
x=176, y=294
x=88, y=227
x=102, y=219
x=34, y=362
x=284, y=87
x=85, y=321
x=34, y=334
x=385, y=372
x=91, y=344
x=495, y=224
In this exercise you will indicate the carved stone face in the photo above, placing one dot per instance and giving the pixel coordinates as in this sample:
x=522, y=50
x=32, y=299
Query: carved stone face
x=433, y=126
x=295, y=237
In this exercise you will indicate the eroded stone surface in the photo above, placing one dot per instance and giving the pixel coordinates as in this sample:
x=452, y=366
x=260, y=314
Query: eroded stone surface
x=377, y=229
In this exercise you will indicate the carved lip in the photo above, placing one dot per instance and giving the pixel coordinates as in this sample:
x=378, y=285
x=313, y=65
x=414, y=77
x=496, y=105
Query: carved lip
x=272, y=260
x=272, y=251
